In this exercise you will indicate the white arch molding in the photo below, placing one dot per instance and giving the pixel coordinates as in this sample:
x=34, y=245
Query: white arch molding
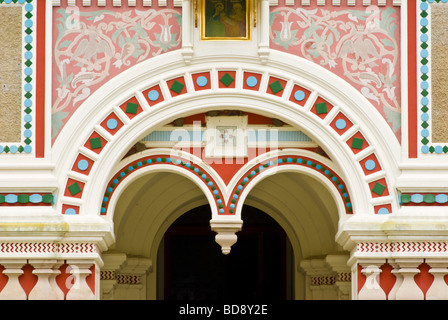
x=296, y=71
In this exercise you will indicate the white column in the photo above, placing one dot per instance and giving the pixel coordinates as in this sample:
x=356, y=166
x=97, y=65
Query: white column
x=263, y=46
x=187, y=30
x=338, y=263
x=80, y=270
x=439, y=288
x=13, y=290
x=372, y=289
x=408, y=289
x=398, y=280
x=46, y=287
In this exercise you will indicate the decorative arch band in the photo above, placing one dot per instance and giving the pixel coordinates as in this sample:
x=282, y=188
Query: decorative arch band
x=336, y=118
x=164, y=159
x=303, y=161
x=226, y=207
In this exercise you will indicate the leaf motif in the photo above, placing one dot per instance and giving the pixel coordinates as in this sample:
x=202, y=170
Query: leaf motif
x=65, y=44
x=393, y=117
x=387, y=42
x=57, y=122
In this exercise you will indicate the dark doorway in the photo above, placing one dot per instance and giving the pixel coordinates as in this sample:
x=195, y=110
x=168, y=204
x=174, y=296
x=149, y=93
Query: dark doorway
x=195, y=268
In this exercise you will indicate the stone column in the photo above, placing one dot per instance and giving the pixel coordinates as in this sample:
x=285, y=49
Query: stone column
x=408, y=289
x=372, y=289
x=439, y=288
x=46, y=287
x=187, y=44
x=398, y=281
x=80, y=270
x=263, y=20
x=13, y=290
x=338, y=263
x=112, y=263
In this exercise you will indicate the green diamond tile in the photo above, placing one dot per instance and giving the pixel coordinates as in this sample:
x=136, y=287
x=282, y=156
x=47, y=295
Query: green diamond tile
x=2, y=198
x=357, y=143
x=226, y=79
x=95, y=143
x=276, y=87
x=321, y=108
x=74, y=188
x=425, y=124
x=131, y=108
x=378, y=188
x=177, y=87
x=445, y=149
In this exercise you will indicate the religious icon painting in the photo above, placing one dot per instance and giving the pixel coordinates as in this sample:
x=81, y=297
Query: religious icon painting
x=225, y=19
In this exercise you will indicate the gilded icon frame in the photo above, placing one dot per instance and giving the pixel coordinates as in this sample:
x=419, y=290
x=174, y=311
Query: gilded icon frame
x=225, y=19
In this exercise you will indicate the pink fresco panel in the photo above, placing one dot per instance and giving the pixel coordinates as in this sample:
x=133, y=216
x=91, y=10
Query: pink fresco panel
x=361, y=44
x=91, y=45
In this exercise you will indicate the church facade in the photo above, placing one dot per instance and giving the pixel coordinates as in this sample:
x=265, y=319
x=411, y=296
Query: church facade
x=207, y=149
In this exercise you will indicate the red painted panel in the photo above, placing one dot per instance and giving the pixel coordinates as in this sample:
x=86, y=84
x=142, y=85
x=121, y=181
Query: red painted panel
x=28, y=280
x=306, y=93
x=424, y=279
x=387, y=279
x=320, y=100
x=202, y=74
x=412, y=78
x=119, y=124
x=40, y=79
x=156, y=101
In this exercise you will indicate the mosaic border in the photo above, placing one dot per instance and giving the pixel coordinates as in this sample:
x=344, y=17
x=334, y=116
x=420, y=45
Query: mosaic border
x=423, y=23
x=28, y=61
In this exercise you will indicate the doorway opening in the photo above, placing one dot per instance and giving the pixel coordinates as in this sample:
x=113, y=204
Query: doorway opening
x=259, y=265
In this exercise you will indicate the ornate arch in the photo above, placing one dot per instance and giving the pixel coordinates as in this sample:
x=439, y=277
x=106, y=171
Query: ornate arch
x=303, y=94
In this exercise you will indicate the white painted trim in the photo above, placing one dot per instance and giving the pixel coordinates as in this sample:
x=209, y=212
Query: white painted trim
x=170, y=65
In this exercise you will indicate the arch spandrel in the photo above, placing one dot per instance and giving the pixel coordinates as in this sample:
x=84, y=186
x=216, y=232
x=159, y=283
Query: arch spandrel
x=329, y=111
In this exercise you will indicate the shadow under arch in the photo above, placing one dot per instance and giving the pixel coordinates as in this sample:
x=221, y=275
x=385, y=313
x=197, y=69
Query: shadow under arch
x=259, y=267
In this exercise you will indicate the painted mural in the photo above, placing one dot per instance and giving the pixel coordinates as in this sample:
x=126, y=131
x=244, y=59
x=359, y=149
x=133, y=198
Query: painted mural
x=92, y=45
x=360, y=44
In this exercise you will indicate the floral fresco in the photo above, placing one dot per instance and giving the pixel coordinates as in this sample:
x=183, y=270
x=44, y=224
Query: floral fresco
x=360, y=44
x=91, y=46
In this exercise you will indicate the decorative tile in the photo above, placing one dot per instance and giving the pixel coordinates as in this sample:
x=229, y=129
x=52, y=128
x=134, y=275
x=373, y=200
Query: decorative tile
x=153, y=95
x=201, y=81
x=227, y=79
x=424, y=28
x=321, y=107
x=131, y=107
x=177, y=86
x=276, y=86
x=25, y=146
